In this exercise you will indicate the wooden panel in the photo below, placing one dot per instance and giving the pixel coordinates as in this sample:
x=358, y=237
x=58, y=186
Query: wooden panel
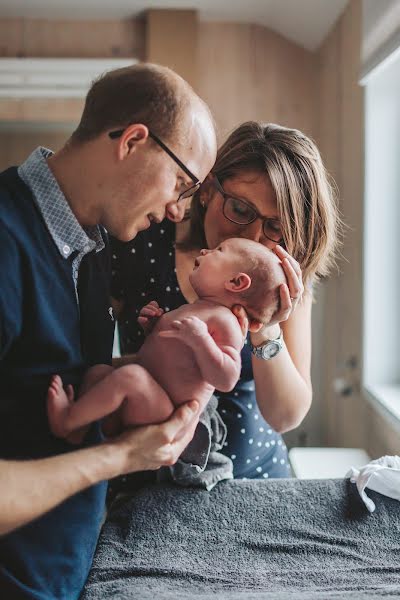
x=340, y=137
x=171, y=40
x=55, y=110
x=328, y=142
x=349, y=346
x=249, y=72
x=381, y=437
x=72, y=39
x=15, y=147
x=11, y=38
x=63, y=39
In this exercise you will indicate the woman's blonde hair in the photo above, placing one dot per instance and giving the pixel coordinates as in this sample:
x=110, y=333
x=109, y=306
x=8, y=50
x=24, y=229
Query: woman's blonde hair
x=305, y=197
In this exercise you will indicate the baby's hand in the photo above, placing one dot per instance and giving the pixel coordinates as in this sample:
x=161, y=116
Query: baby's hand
x=186, y=330
x=149, y=315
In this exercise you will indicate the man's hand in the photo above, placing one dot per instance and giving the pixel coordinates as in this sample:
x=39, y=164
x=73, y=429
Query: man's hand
x=187, y=330
x=153, y=446
x=149, y=316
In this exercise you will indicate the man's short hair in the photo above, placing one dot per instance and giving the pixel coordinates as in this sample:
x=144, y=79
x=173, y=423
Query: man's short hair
x=144, y=93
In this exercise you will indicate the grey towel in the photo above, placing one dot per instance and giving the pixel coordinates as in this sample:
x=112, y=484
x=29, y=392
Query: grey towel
x=249, y=540
x=201, y=465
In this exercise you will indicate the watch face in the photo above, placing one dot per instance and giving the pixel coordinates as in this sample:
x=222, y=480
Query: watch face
x=270, y=350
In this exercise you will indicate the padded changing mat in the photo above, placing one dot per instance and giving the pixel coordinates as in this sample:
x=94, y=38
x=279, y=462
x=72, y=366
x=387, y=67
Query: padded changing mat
x=249, y=540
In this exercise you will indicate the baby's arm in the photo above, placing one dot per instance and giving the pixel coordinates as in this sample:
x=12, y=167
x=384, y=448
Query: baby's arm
x=216, y=347
x=149, y=316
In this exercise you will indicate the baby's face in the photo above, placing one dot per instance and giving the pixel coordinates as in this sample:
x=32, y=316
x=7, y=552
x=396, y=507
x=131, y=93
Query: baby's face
x=212, y=268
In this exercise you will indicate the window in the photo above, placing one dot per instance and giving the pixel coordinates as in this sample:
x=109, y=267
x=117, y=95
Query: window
x=382, y=236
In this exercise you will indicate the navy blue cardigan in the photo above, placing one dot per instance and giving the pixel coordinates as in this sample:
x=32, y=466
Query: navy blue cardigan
x=43, y=331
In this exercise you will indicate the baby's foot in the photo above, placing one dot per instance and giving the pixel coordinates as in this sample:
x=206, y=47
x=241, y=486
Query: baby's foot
x=58, y=404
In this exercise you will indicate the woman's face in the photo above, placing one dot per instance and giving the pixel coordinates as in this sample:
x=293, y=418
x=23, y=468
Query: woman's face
x=256, y=189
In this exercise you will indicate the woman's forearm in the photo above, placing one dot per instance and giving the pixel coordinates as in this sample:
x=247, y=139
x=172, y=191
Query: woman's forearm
x=283, y=384
x=283, y=396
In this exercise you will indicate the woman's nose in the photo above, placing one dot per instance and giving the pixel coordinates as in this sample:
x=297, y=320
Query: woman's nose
x=254, y=231
x=203, y=252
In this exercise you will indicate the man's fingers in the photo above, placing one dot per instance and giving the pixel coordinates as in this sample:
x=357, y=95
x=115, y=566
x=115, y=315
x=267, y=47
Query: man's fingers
x=177, y=425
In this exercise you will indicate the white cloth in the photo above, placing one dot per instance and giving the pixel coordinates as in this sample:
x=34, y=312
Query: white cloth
x=381, y=475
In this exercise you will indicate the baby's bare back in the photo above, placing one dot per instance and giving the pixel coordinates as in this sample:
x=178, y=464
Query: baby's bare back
x=172, y=363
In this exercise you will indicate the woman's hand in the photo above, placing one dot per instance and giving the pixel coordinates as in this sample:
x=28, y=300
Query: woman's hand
x=243, y=319
x=150, y=447
x=149, y=315
x=290, y=296
x=291, y=293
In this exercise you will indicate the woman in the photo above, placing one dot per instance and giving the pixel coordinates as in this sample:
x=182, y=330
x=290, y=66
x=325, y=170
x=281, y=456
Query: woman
x=268, y=185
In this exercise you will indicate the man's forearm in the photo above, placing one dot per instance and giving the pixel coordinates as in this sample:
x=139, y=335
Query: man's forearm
x=31, y=488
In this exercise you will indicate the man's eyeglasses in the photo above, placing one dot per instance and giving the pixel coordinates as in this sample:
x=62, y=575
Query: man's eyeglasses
x=241, y=212
x=196, y=183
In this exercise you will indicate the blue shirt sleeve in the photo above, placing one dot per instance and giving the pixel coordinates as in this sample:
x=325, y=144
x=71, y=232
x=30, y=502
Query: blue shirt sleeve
x=11, y=290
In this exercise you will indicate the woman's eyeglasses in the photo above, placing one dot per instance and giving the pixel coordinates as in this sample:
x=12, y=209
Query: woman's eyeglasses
x=241, y=212
x=196, y=183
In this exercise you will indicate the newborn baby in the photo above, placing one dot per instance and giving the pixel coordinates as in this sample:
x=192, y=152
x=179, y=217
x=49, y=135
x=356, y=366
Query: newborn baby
x=190, y=351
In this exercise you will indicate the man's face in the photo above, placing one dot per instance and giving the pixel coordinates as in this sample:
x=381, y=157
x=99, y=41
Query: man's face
x=148, y=182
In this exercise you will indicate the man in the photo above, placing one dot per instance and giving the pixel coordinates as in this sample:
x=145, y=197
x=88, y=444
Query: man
x=132, y=159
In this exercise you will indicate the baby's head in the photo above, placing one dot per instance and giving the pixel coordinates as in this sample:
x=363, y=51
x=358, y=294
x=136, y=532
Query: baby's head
x=240, y=271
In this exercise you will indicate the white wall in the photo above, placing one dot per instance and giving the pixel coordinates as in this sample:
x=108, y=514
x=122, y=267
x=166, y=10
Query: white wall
x=381, y=20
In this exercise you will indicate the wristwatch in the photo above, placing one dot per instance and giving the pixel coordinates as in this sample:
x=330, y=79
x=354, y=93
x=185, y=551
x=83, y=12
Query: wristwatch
x=268, y=349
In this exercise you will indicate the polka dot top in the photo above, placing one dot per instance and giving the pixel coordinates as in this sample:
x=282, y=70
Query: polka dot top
x=144, y=270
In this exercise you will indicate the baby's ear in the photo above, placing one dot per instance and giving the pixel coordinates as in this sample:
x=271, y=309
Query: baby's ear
x=238, y=283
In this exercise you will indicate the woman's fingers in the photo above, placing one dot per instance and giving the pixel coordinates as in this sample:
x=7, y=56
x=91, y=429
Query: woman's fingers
x=292, y=277
x=293, y=274
x=241, y=316
x=286, y=303
x=282, y=253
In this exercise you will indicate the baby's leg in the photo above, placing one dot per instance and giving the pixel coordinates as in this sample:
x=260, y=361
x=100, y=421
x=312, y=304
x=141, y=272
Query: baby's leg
x=145, y=400
x=130, y=388
x=60, y=401
x=93, y=376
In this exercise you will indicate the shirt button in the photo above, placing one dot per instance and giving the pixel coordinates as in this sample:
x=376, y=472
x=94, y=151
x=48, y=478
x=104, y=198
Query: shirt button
x=86, y=248
x=66, y=249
